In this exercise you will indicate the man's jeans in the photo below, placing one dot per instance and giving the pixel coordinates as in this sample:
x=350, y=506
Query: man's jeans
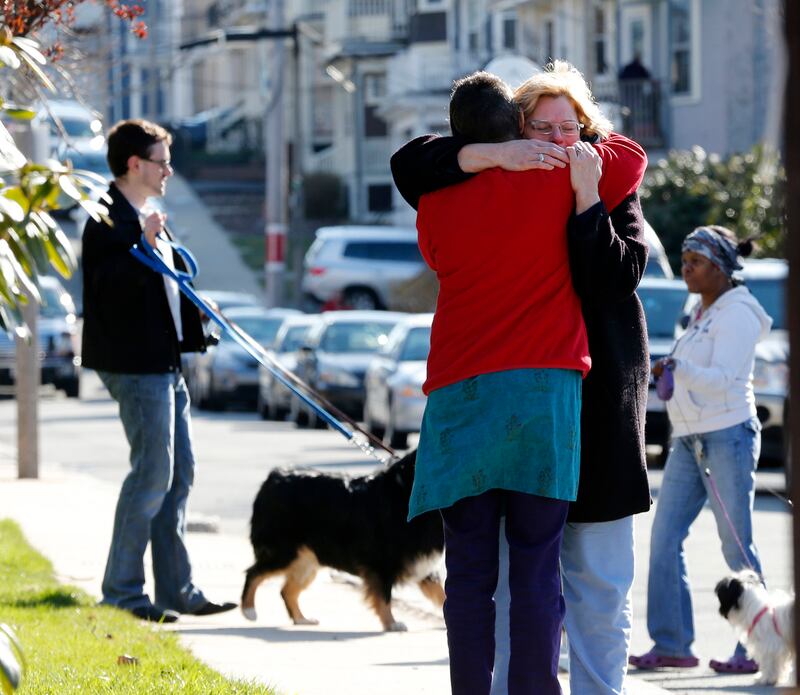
x=154, y=409
x=731, y=454
x=597, y=567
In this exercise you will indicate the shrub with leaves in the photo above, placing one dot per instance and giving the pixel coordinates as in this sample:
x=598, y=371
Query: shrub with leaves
x=744, y=192
x=31, y=242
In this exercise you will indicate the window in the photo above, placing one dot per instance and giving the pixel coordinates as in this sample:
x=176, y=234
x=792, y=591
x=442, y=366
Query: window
x=374, y=125
x=549, y=41
x=509, y=32
x=407, y=251
x=680, y=16
x=374, y=86
x=600, y=41
x=417, y=345
x=379, y=197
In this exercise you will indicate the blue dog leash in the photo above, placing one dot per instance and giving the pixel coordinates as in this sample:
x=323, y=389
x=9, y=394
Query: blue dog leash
x=148, y=256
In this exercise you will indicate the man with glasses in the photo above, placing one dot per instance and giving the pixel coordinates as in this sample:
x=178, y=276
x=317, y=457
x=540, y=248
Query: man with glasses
x=136, y=324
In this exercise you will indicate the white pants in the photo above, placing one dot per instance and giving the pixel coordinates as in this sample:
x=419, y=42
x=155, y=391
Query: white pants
x=597, y=568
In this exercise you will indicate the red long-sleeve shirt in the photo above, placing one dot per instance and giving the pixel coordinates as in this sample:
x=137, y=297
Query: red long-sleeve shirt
x=498, y=246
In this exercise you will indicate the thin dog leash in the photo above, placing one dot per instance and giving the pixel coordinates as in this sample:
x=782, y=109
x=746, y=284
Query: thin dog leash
x=366, y=441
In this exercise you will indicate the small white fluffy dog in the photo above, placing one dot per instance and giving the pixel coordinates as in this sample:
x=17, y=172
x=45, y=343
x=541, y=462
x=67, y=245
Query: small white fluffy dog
x=763, y=621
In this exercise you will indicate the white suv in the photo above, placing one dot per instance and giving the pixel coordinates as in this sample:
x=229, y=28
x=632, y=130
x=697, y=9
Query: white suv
x=359, y=267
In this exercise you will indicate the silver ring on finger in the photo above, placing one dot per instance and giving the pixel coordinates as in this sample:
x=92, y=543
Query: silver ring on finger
x=541, y=157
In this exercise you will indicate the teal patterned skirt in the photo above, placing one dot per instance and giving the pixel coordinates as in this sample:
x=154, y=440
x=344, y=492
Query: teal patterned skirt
x=512, y=430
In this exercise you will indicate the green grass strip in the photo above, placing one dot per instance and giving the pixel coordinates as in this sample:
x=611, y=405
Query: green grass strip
x=72, y=645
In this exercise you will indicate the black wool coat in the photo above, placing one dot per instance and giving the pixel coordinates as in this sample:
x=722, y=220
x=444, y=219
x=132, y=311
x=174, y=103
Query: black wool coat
x=127, y=324
x=608, y=254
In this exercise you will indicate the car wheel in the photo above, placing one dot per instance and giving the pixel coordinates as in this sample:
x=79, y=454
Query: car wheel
x=297, y=414
x=375, y=428
x=361, y=298
x=263, y=408
x=72, y=387
x=396, y=439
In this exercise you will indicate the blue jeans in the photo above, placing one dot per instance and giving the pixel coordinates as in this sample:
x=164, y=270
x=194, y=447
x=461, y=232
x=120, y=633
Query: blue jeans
x=597, y=567
x=533, y=529
x=154, y=409
x=731, y=454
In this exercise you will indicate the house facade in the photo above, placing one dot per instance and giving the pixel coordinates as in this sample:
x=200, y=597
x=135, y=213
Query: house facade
x=360, y=77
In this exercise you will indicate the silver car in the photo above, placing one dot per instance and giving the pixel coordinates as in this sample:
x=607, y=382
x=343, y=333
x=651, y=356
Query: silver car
x=394, y=399
x=766, y=278
x=274, y=399
x=359, y=267
x=57, y=335
x=664, y=303
x=335, y=357
x=227, y=373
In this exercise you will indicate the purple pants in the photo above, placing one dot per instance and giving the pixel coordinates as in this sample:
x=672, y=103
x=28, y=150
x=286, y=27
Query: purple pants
x=534, y=527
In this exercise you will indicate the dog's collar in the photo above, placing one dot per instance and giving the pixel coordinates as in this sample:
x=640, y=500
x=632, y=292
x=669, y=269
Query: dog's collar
x=759, y=615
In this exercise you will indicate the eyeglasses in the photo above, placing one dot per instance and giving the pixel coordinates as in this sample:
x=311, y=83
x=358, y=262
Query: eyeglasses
x=166, y=164
x=546, y=127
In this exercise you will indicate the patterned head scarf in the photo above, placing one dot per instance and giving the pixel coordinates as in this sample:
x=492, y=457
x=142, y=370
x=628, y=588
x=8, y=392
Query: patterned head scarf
x=717, y=248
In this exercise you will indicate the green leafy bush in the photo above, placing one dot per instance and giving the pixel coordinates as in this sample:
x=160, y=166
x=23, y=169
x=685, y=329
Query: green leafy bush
x=744, y=192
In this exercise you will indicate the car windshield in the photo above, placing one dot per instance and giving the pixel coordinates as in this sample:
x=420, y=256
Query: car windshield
x=653, y=268
x=91, y=161
x=771, y=294
x=663, y=307
x=262, y=330
x=293, y=339
x=51, y=307
x=355, y=337
x=75, y=127
x=417, y=345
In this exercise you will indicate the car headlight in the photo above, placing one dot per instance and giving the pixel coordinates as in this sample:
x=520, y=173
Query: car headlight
x=770, y=376
x=338, y=377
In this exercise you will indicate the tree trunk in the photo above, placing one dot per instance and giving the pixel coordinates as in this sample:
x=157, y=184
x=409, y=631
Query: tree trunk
x=792, y=140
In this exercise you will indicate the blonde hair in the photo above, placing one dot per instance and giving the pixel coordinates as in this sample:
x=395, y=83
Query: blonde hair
x=561, y=79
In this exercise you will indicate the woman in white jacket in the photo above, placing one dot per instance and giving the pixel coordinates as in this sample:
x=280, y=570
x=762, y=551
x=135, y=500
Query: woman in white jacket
x=714, y=426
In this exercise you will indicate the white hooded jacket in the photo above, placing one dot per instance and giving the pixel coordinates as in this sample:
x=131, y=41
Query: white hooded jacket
x=714, y=365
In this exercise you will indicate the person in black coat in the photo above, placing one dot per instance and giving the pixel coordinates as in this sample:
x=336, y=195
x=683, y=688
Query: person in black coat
x=136, y=323
x=608, y=254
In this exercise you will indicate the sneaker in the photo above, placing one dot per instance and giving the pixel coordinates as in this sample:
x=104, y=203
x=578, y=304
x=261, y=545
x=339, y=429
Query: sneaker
x=154, y=614
x=211, y=608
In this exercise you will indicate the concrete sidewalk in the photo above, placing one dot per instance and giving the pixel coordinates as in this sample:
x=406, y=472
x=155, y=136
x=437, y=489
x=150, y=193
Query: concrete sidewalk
x=346, y=654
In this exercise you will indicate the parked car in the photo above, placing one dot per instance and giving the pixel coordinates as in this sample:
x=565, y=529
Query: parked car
x=224, y=300
x=57, y=339
x=335, y=357
x=767, y=279
x=664, y=302
x=359, y=267
x=81, y=124
x=226, y=373
x=394, y=401
x=657, y=263
x=274, y=399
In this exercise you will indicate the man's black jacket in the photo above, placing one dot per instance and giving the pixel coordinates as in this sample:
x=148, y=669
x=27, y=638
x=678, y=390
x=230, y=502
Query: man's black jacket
x=607, y=256
x=127, y=324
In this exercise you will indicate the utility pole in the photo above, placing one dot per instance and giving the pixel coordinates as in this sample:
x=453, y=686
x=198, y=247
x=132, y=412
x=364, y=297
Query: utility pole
x=275, y=228
x=27, y=380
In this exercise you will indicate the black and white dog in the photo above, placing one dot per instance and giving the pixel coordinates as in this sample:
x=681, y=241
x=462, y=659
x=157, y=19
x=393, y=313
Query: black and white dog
x=356, y=524
x=763, y=621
